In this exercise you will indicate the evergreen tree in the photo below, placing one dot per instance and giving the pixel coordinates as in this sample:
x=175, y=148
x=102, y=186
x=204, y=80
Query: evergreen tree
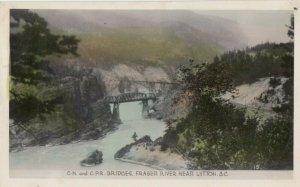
x=216, y=134
x=31, y=42
x=134, y=136
x=291, y=28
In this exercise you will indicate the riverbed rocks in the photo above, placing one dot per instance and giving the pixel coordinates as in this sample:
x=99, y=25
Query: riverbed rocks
x=18, y=138
x=94, y=158
x=91, y=135
x=146, y=152
x=145, y=140
x=65, y=139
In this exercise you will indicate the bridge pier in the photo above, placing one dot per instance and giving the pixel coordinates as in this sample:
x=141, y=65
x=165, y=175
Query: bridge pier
x=130, y=97
x=145, y=110
x=116, y=114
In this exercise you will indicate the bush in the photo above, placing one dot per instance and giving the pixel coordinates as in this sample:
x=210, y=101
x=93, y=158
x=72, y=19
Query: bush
x=275, y=143
x=264, y=60
x=274, y=82
x=217, y=135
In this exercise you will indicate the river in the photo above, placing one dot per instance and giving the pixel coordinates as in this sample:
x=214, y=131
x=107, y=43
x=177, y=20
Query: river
x=66, y=157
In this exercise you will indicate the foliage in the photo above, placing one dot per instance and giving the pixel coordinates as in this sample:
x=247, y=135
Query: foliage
x=291, y=28
x=30, y=43
x=216, y=134
x=124, y=85
x=275, y=143
x=264, y=60
x=274, y=82
x=205, y=80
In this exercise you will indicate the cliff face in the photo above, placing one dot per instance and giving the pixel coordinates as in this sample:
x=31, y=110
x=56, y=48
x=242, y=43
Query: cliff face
x=85, y=95
x=114, y=77
x=81, y=116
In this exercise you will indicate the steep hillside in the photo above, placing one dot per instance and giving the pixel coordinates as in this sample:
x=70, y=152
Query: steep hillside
x=264, y=60
x=261, y=94
x=148, y=37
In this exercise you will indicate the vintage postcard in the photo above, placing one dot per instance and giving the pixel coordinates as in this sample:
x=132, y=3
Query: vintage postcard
x=160, y=91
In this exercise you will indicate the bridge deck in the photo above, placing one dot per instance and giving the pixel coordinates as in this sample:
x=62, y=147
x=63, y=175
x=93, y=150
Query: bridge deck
x=155, y=82
x=130, y=97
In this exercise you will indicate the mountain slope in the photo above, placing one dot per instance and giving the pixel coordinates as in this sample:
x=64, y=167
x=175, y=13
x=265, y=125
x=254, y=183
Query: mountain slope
x=151, y=37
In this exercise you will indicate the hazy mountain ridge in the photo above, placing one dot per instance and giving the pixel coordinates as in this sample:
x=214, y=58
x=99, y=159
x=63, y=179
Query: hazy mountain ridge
x=151, y=37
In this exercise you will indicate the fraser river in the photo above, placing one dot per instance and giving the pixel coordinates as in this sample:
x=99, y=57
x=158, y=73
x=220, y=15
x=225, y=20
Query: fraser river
x=68, y=157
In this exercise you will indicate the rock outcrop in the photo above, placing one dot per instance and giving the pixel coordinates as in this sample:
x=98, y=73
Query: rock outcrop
x=93, y=158
x=81, y=116
x=116, y=78
x=120, y=153
x=144, y=151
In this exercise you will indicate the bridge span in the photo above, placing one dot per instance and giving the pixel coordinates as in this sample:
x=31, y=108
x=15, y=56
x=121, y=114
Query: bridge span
x=155, y=82
x=129, y=97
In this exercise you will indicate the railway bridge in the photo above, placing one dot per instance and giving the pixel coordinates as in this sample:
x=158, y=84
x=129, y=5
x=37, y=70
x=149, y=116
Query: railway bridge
x=129, y=97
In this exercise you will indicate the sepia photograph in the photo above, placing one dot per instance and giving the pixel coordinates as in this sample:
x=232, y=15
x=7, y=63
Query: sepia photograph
x=150, y=93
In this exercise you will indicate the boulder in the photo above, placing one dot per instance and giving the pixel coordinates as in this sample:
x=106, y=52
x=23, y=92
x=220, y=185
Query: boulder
x=94, y=158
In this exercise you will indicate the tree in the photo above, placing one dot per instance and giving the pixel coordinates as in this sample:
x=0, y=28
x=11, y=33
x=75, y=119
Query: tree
x=290, y=32
x=124, y=85
x=134, y=136
x=214, y=131
x=216, y=134
x=31, y=42
x=201, y=80
x=288, y=59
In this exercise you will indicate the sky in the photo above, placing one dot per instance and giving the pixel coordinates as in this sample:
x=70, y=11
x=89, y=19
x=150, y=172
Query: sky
x=258, y=25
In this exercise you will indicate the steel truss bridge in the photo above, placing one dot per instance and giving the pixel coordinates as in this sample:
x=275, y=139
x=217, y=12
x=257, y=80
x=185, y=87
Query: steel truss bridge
x=130, y=97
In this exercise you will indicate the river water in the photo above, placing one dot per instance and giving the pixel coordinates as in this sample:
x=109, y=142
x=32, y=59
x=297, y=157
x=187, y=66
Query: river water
x=66, y=157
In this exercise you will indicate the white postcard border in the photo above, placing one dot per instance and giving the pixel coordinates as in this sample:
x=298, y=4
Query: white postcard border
x=238, y=179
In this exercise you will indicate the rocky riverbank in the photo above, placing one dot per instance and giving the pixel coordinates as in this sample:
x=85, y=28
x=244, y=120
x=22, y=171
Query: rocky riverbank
x=80, y=115
x=144, y=151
